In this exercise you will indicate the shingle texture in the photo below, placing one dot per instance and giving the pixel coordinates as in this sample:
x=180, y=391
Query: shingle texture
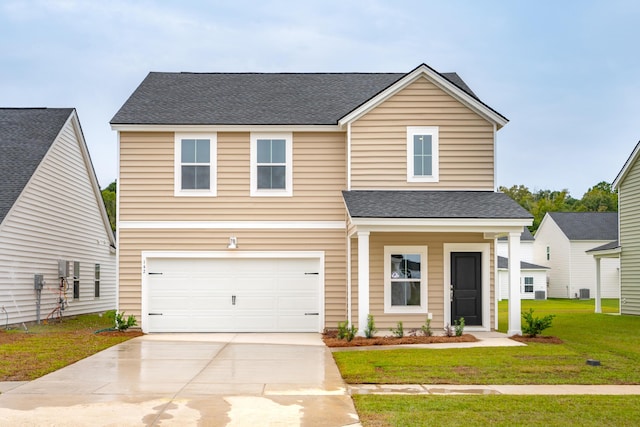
x=254, y=98
x=606, y=247
x=25, y=137
x=432, y=204
x=503, y=263
x=587, y=225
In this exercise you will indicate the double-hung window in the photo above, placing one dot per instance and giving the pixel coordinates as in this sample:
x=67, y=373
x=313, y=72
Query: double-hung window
x=422, y=154
x=528, y=285
x=405, y=279
x=271, y=164
x=195, y=164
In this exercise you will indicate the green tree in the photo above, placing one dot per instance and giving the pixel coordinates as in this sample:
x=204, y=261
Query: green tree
x=599, y=198
x=109, y=198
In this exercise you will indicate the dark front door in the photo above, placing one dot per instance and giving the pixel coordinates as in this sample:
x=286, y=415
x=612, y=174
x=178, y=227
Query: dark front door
x=466, y=287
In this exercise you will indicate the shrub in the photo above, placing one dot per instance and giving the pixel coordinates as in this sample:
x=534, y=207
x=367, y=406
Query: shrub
x=426, y=328
x=342, y=329
x=398, y=331
x=122, y=324
x=351, y=333
x=459, y=326
x=533, y=326
x=370, y=330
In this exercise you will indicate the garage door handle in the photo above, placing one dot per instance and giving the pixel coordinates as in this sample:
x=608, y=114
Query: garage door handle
x=155, y=314
x=312, y=314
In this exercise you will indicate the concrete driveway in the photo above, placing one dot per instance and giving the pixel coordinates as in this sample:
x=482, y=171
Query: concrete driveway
x=191, y=380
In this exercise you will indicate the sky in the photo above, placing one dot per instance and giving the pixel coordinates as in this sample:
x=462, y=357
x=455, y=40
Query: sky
x=565, y=73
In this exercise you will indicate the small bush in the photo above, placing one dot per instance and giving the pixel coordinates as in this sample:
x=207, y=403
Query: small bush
x=370, y=330
x=122, y=324
x=398, y=331
x=342, y=329
x=448, y=330
x=533, y=326
x=351, y=333
x=459, y=326
x=426, y=328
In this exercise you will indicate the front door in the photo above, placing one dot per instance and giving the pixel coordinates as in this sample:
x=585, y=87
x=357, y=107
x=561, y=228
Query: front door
x=466, y=287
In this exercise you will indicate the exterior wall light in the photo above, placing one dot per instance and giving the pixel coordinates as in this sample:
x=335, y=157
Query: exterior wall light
x=233, y=243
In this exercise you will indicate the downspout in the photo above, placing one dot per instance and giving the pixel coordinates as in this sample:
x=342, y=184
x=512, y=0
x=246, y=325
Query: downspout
x=495, y=157
x=118, y=224
x=349, y=156
x=349, y=301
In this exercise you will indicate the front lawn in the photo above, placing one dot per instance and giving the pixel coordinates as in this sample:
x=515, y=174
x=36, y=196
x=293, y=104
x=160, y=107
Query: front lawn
x=28, y=355
x=497, y=410
x=611, y=339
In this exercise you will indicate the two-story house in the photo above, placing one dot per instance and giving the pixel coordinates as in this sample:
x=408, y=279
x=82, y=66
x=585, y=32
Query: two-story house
x=293, y=201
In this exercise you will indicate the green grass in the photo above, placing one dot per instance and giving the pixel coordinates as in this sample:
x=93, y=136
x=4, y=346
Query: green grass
x=46, y=348
x=498, y=410
x=612, y=339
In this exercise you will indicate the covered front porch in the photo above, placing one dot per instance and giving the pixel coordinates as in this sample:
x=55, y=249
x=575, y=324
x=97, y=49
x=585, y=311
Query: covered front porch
x=418, y=255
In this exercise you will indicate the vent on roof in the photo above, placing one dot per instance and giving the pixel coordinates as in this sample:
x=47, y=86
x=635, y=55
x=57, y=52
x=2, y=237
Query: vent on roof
x=584, y=293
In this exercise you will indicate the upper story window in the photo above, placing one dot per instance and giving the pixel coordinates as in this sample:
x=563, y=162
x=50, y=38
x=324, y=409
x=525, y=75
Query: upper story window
x=271, y=164
x=405, y=283
x=195, y=164
x=422, y=154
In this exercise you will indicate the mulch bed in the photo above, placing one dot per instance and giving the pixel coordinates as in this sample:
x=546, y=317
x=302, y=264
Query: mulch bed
x=538, y=339
x=128, y=333
x=331, y=340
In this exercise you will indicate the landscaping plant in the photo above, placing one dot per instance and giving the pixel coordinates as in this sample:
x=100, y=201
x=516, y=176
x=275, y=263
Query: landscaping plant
x=122, y=324
x=459, y=326
x=370, y=330
x=342, y=329
x=426, y=328
x=398, y=331
x=533, y=326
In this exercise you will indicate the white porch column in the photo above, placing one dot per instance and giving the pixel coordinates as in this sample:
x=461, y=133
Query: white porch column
x=515, y=323
x=598, y=290
x=363, y=280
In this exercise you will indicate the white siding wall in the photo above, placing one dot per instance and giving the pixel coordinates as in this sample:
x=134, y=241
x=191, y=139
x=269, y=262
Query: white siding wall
x=56, y=217
x=526, y=250
x=583, y=270
x=549, y=234
x=539, y=283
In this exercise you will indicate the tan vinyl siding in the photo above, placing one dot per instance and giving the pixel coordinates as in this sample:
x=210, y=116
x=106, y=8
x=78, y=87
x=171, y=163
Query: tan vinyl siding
x=56, y=217
x=629, y=195
x=147, y=181
x=435, y=276
x=379, y=138
x=331, y=242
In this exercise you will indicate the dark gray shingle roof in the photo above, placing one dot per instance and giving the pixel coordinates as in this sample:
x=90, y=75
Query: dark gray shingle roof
x=26, y=134
x=432, y=204
x=587, y=225
x=254, y=98
x=607, y=246
x=504, y=264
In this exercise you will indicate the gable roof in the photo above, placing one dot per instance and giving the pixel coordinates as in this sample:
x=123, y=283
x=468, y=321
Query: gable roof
x=503, y=264
x=26, y=134
x=431, y=204
x=627, y=165
x=587, y=225
x=261, y=98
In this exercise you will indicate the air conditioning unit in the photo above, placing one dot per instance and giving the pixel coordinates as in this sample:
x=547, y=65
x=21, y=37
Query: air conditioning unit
x=540, y=295
x=584, y=294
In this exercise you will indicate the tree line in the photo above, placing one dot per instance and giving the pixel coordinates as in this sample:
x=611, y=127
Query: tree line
x=599, y=198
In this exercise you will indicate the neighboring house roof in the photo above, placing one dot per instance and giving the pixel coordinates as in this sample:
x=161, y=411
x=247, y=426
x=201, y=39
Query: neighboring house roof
x=627, y=165
x=526, y=236
x=587, y=225
x=26, y=134
x=263, y=98
x=431, y=204
x=503, y=263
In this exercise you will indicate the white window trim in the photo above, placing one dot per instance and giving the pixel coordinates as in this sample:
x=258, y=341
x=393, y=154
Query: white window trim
x=423, y=130
x=388, y=251
x=288, y=191
x=213, y=160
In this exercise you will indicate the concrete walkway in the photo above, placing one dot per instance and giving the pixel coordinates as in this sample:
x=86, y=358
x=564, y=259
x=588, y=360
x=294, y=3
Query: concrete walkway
x=190, y=380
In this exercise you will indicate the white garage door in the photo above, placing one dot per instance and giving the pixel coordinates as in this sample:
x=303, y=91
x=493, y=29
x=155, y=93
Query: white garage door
x=233, y=295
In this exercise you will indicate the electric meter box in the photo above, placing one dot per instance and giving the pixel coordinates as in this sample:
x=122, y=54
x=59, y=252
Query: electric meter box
x=63, y=268
x=38, y=281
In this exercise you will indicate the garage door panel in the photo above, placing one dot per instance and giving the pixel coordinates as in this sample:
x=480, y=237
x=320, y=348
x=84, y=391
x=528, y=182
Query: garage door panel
x=198, y=295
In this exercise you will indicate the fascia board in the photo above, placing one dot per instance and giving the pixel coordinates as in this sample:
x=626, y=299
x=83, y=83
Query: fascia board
x=224, y=128
x=439, y=81
x=625, y=169
x=488, y=225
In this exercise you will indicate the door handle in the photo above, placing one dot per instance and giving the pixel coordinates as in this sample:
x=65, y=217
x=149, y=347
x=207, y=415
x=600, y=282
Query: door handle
x=451, y=293
x=233, y=300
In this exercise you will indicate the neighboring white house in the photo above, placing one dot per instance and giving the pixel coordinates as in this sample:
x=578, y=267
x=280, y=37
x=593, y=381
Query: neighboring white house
x=51, y=215
x=561, y=243
x=533, y=280
x=526, y=246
